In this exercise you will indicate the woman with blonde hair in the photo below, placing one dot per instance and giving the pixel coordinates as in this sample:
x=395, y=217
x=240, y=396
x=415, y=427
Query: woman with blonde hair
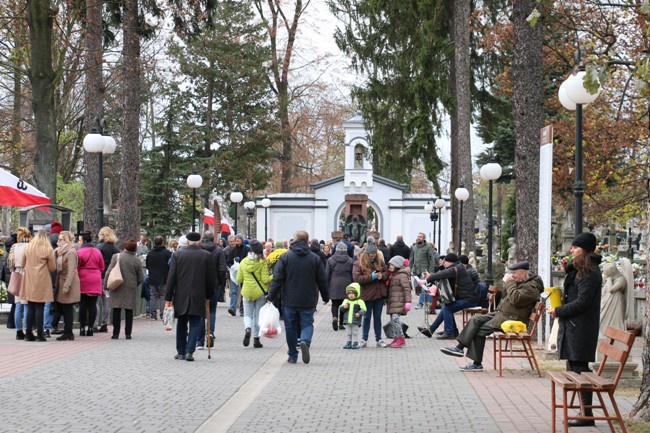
x=15, y=261
x=68, y=290
x=106, y=245
x=38, y=263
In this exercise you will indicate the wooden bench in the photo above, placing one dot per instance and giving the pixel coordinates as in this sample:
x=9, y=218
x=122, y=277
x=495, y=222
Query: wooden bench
x=573, y=384
x=518, y=344
x=468, y=313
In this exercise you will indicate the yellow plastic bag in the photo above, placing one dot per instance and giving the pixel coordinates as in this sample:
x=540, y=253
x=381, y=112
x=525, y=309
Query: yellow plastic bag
x=513, y=326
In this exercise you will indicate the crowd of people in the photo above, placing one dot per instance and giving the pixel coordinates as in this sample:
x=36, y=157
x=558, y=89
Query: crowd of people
x=51, y=271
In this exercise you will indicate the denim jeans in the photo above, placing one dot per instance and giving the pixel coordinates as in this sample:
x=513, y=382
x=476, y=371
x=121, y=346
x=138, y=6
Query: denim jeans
x=292, y=317
x=447, y=315
x=234, y=288
x=103, y=305
x=213, y=316
x=424, y=296
x=373, y=308
x=20, y=316
x=47, y=316
x=187, y=343
x=252, y=314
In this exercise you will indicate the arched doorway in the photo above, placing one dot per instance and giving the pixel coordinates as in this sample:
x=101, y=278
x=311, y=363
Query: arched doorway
x=359, y=228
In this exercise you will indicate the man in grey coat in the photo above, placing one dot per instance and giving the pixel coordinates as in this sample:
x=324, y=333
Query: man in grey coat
x=190, y=283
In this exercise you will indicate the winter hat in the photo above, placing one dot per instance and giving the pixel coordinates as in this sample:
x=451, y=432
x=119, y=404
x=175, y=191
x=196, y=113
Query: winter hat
x=464, y=259
x=397, y=261
x=279, y=244
x=193, y=237
x=451, y=257
x=240, y=236
x=56, y=227
x=47, y=228
x=182, y=241
x=354, y=288
x=341, y=247
x=257, y=247
x=586, y=241
x=371, y=248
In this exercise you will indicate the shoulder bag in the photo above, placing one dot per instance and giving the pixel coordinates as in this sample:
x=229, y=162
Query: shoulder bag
x=447, y=294
x=15, y=282
x=258, y=283
x=115, y=279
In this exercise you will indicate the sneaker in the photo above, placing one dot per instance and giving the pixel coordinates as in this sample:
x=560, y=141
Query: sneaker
x=199, y=347
x=211, y=340
x=348, y=345
x=231, y=311
x=469, y=368
x=380, y=343
x=304, y=351
x=46, y=334
x=364, y=343
x=292, y=360
x=418, y=306
x=453, y=351
x=247, y=337
x=355, y=345
x=424, y=331
x=189, y=357
x=179, y=356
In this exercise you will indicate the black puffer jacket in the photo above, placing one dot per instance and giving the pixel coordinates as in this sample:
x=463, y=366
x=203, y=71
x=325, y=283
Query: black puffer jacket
x=458, y=279
x=579, y=314
x=339, y=274
x=314, y=246
x=399, y=248
x=299, y=275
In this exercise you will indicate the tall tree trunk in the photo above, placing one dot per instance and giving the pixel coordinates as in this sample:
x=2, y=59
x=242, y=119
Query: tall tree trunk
x=453, y=120
x=528, y=115
x=463, y=117
x=17, y=122
x=93, y=109
x=128, y=221
x=42, y=78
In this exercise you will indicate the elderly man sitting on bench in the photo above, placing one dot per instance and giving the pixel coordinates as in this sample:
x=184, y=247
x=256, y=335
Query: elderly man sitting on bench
x=520, y=294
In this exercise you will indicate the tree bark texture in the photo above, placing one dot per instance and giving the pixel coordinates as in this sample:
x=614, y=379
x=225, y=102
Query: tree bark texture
x=463, y=117
x=42, y=78
x=128, y=221
x=528, y=115
x=93, y=109
x=16, y=123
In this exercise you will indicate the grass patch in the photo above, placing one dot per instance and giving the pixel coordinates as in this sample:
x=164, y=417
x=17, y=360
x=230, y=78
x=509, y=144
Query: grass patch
x=634, y=426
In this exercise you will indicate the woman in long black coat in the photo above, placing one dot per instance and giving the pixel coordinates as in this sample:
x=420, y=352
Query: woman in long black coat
x=579, y=314
x=339, y=276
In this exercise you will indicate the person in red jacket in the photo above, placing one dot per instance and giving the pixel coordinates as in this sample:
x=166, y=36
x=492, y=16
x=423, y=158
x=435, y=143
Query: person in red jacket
x=90, y=269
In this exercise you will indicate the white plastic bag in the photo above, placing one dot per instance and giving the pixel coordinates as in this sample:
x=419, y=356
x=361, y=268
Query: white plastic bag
x=168, y=318
x=270, y=321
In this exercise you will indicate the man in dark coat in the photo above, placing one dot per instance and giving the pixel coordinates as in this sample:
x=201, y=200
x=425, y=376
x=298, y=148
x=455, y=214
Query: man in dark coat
x=520, y=294
x=381, y=246
x=238, y=252
x=464, y=293
x=157, y=263
x=314, y=246
x=190, y=283
x=399, y=248
x=299, y=275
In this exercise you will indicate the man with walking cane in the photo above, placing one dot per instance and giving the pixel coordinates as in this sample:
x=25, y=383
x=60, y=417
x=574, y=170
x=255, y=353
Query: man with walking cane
x=190, y=284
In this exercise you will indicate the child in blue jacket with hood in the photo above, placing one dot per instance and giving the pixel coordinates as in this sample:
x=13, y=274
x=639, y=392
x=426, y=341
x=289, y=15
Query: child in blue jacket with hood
x=352, y=309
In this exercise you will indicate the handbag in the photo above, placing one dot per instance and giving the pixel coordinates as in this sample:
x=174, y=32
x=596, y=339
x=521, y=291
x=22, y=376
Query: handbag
x=115, y=279
x=15, y=283
x=447, y=295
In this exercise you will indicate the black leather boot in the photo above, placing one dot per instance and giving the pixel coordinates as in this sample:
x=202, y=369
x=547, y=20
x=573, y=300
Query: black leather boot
x=20, y=335
x=587, y=398
x=40, y=337
x=29, y=336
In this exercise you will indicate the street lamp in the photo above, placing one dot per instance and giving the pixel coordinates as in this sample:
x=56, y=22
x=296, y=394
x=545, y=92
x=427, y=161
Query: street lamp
x=440, y=203
x=98, y=141
x=573, y=95
x=429, y=208
x=236, y=197
x=461, y=194
x=490, y=172
x=249, y=205
x=266, y=202
x=194, y=181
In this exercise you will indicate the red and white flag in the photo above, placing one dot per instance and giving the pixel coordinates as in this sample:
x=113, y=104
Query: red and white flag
x=16, y=192
x=208, y=216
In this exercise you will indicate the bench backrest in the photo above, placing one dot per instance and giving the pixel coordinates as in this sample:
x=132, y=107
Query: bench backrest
x=538, y=309
x=609, y=350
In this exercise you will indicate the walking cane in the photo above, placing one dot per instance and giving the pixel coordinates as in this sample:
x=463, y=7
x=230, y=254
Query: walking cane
x=207, y=337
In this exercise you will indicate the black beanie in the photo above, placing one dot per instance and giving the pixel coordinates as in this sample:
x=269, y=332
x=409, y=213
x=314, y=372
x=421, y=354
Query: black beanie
x=586, y=241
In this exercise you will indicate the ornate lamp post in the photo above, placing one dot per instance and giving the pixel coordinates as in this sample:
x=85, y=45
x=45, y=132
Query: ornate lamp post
x=266, y=203
x=236, y=197
x=573, y=95
x=194, y=181
x=461, y=194
x=98, y=141
x=249, y=205
x=490, y=172
x=440, y=203
x=433, y=217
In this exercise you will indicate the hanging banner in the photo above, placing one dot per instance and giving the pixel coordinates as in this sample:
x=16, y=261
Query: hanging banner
x=16, y=192
x=208, y=216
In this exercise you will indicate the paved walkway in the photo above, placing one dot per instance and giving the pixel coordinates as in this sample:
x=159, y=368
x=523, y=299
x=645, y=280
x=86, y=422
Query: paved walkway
x=95, y=384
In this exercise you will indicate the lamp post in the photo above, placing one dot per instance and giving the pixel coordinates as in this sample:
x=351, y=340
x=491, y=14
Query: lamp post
x=236, y=197
x=429, y=208
x=461, y=194
x=98, y=141
x=573, y=96
x=249, y=205
x=490, y=172
x=266, y=202
x=194, y=181
x=440, y=203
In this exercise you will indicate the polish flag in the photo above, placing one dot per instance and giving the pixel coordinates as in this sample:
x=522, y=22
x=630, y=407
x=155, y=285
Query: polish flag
x=208, y=216
x=16, y=192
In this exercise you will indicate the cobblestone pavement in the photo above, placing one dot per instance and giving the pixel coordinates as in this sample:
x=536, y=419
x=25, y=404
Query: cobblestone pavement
x=95, y=384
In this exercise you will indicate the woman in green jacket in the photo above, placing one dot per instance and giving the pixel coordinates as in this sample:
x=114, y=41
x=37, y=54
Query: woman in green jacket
x=253, y=275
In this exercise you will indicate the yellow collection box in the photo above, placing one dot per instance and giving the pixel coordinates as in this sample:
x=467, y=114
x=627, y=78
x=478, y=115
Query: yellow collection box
x=555, y=296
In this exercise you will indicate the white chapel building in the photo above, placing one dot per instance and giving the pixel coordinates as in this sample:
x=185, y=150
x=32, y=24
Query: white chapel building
x=390, y=211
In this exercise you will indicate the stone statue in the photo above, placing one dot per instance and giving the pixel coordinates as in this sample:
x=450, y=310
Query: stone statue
x=512, y=252
x=472, y=260
x=616, y=305
x=463, y=248
x=356, y=226
x=451, y=248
